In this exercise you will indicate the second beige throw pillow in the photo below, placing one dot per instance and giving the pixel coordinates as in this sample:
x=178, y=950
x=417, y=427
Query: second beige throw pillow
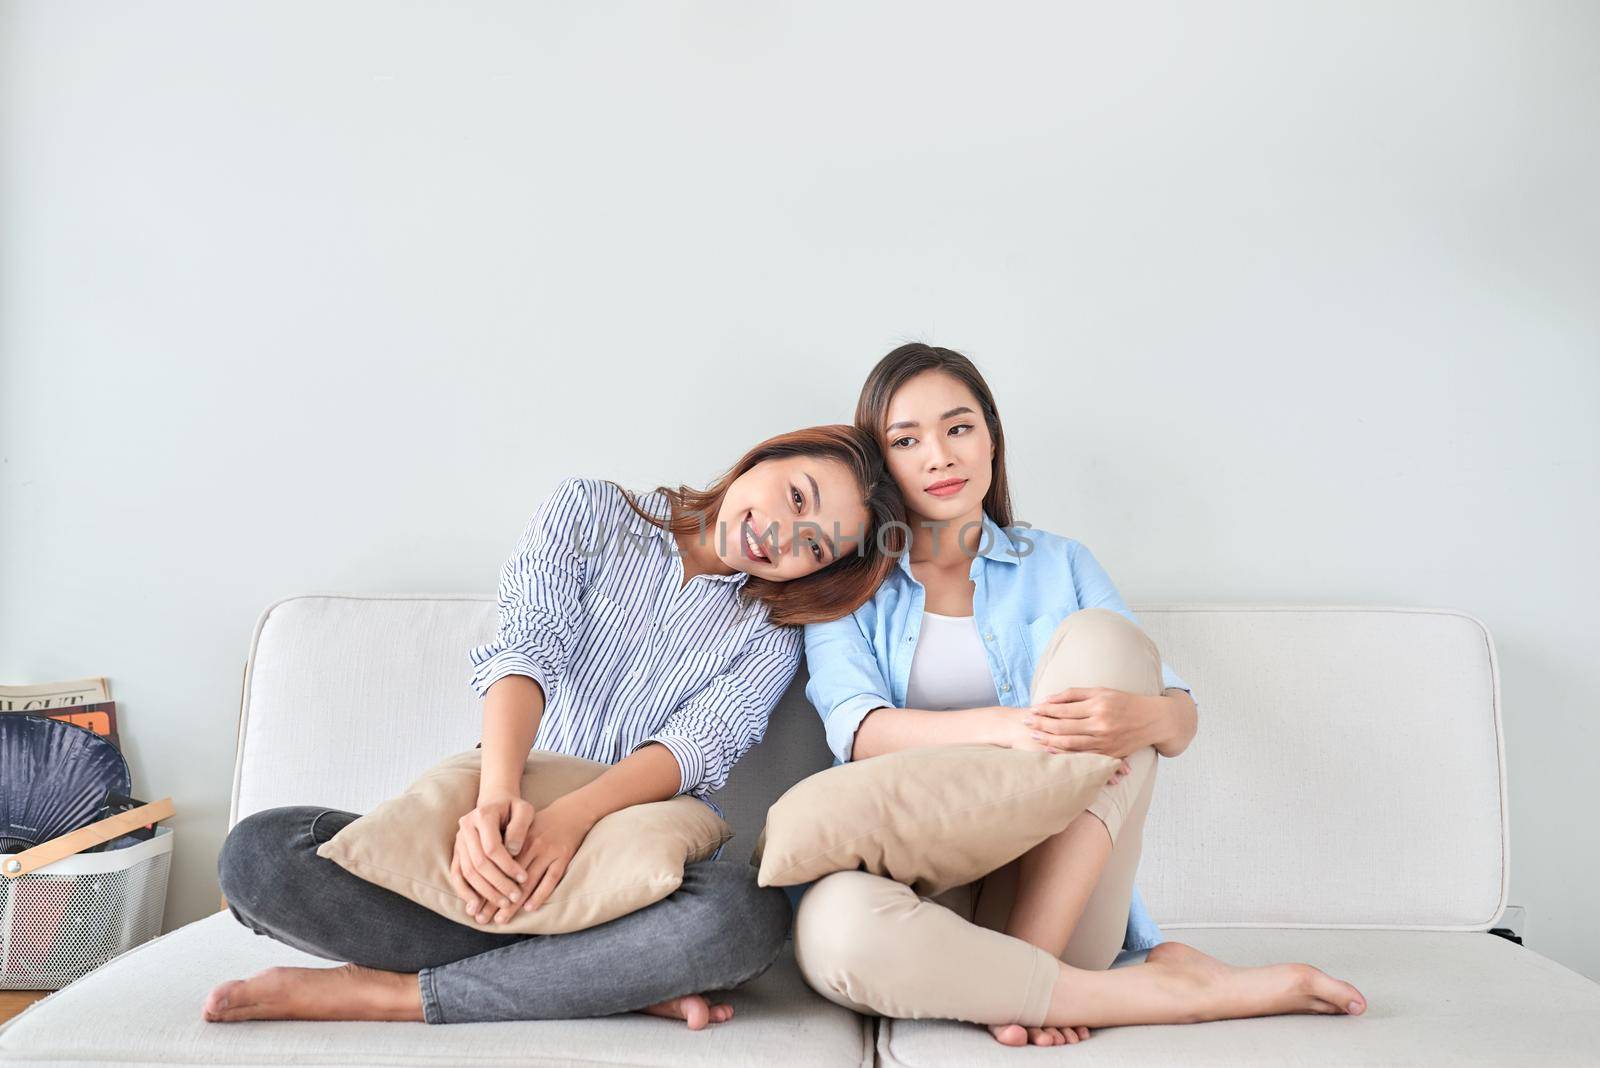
x=932, y=818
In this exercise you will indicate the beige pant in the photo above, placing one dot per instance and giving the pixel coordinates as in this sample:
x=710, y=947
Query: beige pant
x=875, y=946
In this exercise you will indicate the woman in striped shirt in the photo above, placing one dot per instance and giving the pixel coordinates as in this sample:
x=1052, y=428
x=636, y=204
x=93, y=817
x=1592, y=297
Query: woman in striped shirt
x=654, y=634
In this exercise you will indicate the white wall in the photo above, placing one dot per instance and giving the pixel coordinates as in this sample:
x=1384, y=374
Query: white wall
x=1282, y=302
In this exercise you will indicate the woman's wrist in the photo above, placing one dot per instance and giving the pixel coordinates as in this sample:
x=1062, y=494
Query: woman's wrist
x=1172, y=728
x=489, y=791
x=582, y=805
x=998, y=725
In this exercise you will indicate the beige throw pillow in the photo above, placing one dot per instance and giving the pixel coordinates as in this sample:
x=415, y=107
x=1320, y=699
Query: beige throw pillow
x=629, y=859
x=933, y=817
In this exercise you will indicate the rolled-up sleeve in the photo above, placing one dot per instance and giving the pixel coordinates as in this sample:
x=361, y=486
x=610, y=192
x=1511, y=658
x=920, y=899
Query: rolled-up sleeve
x=844, y=681
x=1095, y=590
x=725, y=718
x=540, y=595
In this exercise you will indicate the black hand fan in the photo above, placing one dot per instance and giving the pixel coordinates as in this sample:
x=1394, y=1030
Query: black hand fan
x=54, y=778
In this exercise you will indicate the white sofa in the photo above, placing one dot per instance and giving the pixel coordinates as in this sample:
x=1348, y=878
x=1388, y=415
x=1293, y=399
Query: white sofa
x=1343, y=804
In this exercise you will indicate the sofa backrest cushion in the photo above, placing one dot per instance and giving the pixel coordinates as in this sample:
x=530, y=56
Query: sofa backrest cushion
x=1348, y=770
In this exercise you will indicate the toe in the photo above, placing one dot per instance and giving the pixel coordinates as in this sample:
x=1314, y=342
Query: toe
x=1339, y=993
x=1010, y=1035
x=219, y=1000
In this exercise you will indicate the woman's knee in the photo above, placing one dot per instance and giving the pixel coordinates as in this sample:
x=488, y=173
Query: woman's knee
x=1099, y=647
x=256, y=856
x=846, y=932
x=739, y=924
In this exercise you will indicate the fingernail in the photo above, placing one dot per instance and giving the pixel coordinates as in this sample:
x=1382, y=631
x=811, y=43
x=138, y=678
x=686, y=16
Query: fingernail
x=528, y=907
x=505, y=901
x=521, y=878
x=1037, y=736
x=1354, y=1008
x=1027, y=721
x=514, y=847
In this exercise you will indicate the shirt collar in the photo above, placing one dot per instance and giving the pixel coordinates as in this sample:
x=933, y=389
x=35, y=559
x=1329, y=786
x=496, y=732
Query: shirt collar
x=996, y=544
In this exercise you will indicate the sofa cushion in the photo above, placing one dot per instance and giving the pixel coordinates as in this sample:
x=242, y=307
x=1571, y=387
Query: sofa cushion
x=1433, y=998
x=1348, y=771
x=631, y=858
x=144, y=1008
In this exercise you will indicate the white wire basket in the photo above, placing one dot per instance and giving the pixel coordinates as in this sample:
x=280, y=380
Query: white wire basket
x=68, y=918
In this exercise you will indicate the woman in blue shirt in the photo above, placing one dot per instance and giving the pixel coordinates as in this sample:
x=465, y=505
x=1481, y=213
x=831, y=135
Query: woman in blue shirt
x=653, y=634
x=944, y=654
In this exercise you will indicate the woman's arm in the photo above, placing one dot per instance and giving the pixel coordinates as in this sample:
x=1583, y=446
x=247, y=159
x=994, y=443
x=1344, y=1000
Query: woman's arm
x=649, y=773
x=1182, y=721
x=851, y=695
x=1167, y=721
x=540, y=613
x=511, y=712
x=540, y=594
x=692, y=752
x=885, y=729
x=721, y=721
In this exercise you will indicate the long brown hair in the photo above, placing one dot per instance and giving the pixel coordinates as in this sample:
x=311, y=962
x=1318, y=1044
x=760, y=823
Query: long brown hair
x=850, y=581
x=898, y=367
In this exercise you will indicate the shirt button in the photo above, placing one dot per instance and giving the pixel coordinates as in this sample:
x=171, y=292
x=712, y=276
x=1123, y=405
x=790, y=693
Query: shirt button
x=989, y=636
x=1005, y=687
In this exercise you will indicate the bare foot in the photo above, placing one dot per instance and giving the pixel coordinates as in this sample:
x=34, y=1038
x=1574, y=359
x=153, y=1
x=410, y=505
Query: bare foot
x=347, y=992
x=1018, y=1035
x=693, y=1009
x=1230, y=993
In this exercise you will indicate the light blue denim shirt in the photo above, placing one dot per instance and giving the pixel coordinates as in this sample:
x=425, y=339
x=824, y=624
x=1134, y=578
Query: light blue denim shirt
x=1025, y=583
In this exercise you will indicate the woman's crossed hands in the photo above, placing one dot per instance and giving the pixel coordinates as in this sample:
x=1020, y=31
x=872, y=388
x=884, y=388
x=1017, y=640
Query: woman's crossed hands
x=509, y=855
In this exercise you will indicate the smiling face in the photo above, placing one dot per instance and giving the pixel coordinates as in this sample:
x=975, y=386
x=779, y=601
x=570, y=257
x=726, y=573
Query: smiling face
x=788, y=517
x=938, y=448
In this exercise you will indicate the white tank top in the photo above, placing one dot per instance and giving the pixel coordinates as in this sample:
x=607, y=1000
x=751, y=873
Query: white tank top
x=950, y=669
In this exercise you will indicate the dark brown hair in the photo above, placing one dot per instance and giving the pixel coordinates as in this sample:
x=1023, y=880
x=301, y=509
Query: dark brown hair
x=899, y=367
x=847, y=583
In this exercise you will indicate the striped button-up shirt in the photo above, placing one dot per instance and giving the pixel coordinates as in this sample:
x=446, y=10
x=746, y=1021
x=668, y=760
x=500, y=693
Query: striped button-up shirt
x=592, y=610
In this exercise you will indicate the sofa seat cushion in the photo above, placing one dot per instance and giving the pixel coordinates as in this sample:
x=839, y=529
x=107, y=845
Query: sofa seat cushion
x=143, y=1008
x=1433, y=998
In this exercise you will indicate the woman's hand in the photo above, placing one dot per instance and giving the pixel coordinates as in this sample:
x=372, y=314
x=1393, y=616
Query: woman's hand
x=557, y=832
x=1019, y=732
x=483, y=870
x=1095, y=719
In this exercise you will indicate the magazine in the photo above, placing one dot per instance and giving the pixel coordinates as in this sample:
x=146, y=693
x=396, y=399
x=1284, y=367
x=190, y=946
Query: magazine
x=53, y=695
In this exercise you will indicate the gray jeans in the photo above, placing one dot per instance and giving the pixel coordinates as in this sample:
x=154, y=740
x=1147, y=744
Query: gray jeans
x=717, y=930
